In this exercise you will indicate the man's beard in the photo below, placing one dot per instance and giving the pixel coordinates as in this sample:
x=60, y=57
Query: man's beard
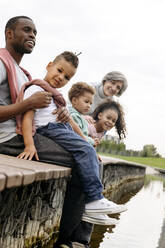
x=20, y=49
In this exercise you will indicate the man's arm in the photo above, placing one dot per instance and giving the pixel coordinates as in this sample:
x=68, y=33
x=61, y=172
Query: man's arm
x=37, y=100
x=30, y=150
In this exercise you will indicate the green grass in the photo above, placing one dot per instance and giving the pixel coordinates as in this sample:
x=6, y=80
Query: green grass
x=154, y=162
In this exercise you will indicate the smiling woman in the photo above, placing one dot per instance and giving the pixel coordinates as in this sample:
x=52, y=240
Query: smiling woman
x=113, y=84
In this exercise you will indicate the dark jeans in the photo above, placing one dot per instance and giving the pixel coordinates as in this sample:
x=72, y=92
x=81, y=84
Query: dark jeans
x=87, y=164
x=71, y=226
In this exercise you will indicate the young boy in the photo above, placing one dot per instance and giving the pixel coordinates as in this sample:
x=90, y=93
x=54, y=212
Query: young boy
x=59, y=72
x=81, y=96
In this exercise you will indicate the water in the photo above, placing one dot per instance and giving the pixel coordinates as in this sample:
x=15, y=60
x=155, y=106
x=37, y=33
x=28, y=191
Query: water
x=143, y=224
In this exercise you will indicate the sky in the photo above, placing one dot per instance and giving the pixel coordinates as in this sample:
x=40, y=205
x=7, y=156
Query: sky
x=127, y=36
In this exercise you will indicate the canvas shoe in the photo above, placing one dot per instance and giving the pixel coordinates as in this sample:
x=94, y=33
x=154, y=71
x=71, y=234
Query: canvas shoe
x=104, y=206
x=79, y=245
x=64, y=246
x=99, y=219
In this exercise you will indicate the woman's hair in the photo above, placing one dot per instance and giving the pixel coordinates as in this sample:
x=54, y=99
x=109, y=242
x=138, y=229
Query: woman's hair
x=118, y=77
x=120, y=125
x=78, y=89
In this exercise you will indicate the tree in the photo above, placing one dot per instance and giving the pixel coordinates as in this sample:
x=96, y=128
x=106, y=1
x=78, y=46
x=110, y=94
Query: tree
x=149, y=151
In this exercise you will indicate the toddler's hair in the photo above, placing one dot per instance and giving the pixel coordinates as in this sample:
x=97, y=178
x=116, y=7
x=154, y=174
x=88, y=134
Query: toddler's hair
x=69, y=57
x=116, y=76
x=79, y=88
x=120, y=123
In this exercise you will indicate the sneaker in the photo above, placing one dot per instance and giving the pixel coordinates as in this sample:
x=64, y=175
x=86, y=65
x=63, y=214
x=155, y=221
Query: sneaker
x=104, y=206
x=99, y=219
x=79, y=245
x=64, y=246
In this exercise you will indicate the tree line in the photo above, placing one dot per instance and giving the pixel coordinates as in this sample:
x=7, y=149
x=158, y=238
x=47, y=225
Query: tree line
x=115, y=148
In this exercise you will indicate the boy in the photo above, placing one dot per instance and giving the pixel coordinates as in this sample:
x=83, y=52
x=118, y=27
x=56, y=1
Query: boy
x=59, y=72
x=81, y=96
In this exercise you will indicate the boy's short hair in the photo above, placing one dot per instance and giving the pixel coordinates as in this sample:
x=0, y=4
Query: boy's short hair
x=79, y=88
x=69, y=57
x=13, y=21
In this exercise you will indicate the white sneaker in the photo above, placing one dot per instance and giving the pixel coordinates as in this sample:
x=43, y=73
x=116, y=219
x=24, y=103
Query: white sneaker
x=104, y=206
x=99, y=219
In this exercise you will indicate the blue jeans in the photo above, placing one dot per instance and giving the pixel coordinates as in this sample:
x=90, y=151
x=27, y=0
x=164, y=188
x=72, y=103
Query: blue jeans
x=84, y=154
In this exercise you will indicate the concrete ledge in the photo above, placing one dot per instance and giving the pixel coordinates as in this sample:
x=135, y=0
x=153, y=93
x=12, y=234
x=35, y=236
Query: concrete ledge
x=111, y=160
x=162, y=171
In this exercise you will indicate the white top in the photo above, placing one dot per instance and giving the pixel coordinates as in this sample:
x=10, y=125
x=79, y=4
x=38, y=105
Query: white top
x=42, y=116
x=7, y=128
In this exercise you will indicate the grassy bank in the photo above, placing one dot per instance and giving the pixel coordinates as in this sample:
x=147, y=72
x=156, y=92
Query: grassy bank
x=154, y=162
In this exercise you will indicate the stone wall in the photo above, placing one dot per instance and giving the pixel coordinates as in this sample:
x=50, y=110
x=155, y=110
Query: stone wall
x=117, y=174
x=30, y=214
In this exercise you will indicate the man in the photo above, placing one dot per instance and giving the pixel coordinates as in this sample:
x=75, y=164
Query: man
x=20, y=35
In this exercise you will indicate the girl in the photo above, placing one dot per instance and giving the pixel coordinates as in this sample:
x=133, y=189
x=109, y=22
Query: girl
x=106, y=116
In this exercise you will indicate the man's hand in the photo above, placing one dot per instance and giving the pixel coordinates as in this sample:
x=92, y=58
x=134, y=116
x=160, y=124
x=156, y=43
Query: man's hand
x=28, y=153
x=40, y=99
x=62, y=114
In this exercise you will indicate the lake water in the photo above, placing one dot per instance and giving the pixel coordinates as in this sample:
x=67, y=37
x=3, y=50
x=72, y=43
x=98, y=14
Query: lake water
x=143, y=224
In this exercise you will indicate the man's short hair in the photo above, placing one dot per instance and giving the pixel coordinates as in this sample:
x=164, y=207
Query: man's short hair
x=69, y=57
x=12, y=22
x=78, y=89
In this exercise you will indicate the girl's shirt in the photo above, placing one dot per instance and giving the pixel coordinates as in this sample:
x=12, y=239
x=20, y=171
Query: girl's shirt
x=93, y=133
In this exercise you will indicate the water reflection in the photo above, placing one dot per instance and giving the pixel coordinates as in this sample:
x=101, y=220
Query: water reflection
x=143, y=225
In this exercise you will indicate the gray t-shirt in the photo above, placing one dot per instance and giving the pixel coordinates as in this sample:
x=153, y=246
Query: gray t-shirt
x=7, y=128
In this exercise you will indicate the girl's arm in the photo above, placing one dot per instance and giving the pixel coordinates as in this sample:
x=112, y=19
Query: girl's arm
x=30, y=149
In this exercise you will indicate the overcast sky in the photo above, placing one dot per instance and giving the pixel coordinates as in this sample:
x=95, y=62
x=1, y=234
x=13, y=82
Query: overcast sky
x=127, y=36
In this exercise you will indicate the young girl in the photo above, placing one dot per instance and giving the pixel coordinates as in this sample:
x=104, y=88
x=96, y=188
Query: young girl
x=106, y=116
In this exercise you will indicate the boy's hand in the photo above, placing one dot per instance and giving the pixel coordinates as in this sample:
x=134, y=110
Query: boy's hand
x=40, y=99
x=28, y=153
x=62, y=114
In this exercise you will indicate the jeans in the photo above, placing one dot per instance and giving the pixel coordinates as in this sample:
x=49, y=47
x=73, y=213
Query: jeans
x=87, y=165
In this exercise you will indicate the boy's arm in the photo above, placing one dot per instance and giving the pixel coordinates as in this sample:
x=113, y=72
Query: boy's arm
x=75, y=122
x=76, y=128
x=30, y=149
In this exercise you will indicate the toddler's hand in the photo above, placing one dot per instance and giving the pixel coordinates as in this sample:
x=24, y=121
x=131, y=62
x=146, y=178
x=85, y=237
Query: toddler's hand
x=99, y=158
x=89, y=119
x=97, y=141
